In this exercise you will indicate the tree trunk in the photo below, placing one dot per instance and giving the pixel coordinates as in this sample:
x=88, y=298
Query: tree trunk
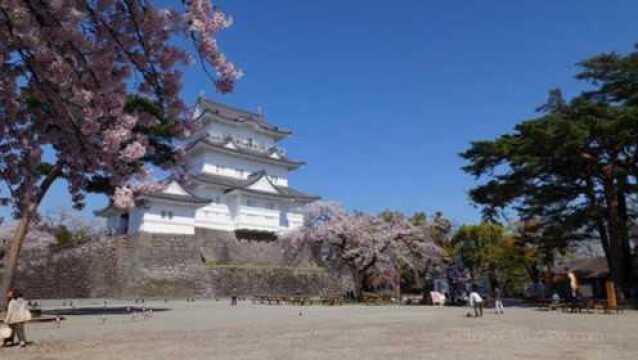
x=28, y=212
x=533, y=272
x=599, y=218
x=619, y=260
x=15, y=246
x=625, y=224
x=358, y=285
x=493, y=280
x=397, y=288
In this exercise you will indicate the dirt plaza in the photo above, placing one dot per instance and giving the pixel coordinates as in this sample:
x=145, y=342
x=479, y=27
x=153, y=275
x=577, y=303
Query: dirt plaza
x=214, y=330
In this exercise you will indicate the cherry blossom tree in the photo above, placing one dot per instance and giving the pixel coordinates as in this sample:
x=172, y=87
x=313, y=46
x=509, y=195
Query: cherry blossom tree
x=371, y=247
x=89, y=92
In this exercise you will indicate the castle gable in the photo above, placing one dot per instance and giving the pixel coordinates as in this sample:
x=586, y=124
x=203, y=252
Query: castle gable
x=175, y=188
x=262, y=184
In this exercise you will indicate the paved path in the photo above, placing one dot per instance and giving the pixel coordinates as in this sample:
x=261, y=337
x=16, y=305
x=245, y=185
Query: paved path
x=214, y=330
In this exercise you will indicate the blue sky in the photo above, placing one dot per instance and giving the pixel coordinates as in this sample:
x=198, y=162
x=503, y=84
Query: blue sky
x=382, y=96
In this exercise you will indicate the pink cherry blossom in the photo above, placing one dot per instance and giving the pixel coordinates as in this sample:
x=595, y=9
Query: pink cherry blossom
x=70, y=69
x=133, y=151
x=129, y=121
x=123, y=198
x=370, y=247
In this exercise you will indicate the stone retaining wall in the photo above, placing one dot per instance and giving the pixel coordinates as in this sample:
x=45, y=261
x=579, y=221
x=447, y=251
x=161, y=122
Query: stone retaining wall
x=90, y=270
x=246, y=281
x=152, y=265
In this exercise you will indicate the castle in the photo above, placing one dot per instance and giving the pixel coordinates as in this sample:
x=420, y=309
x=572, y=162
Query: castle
x=201, y=236
x=238, y=182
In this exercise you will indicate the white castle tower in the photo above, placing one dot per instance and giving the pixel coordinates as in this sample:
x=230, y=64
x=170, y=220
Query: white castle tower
x=238, y=182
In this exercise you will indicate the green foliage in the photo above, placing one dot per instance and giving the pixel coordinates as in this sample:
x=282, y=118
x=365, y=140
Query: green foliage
x=441, y=229
x=160, y=137
x=478, y=246
x=419, y=219
x=615, y=75
x=574, y=168
x=488, y=249
x=63, y=237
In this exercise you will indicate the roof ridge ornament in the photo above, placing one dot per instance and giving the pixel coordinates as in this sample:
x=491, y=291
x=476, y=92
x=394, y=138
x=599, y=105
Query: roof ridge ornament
x=254, y=119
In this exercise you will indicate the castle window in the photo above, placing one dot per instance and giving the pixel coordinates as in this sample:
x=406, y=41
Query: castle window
x=170, y=214
x=163, y=214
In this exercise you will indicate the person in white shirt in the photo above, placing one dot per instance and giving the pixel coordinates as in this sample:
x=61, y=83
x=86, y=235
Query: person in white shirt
x=476, y=302
x=498, y=301
x=17, y=315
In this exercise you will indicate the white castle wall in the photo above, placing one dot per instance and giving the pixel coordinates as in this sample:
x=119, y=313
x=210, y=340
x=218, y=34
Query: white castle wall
x=215, y=216
x=240, y=133
x=258, y=218
x=168, y=218
x=228, y=215
x=295, y=220
x=226, y=165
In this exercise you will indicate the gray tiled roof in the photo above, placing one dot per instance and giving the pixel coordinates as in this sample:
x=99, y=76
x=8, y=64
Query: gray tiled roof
x=221, y=144
x=190, y=198
x=240, y=116
x=230, y=184
x=288, y=191
x=224, y=181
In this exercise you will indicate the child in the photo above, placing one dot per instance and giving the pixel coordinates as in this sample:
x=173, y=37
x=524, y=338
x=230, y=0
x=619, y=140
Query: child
x=498, y=301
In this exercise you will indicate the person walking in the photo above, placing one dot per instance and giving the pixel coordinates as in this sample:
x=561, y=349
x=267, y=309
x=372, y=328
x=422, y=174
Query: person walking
x=17, y=315
x=498, y=301
x=233, y=297
x=476, y=302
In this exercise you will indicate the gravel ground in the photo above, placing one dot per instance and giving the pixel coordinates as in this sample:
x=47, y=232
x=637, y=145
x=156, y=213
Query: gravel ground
x=214, y=330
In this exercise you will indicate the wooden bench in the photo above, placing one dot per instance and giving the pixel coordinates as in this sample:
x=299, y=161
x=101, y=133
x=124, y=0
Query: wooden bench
x=377, y=299
x=331, y=300
x=542, y=304
x=298, y=300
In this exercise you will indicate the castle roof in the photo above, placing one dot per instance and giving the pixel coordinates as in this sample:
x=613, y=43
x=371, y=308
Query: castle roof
x=245, y=185
x=188, y=198
x=228, y=145
x=182, y=196
x=242, y=117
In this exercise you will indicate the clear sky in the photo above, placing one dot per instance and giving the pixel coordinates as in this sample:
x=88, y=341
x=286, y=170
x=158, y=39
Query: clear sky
x=383, y=95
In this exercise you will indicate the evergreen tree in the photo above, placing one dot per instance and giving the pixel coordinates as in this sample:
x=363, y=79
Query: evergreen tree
x=574, y=168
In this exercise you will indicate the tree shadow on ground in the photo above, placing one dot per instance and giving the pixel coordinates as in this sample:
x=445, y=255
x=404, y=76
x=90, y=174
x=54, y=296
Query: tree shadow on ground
x=97, y=310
